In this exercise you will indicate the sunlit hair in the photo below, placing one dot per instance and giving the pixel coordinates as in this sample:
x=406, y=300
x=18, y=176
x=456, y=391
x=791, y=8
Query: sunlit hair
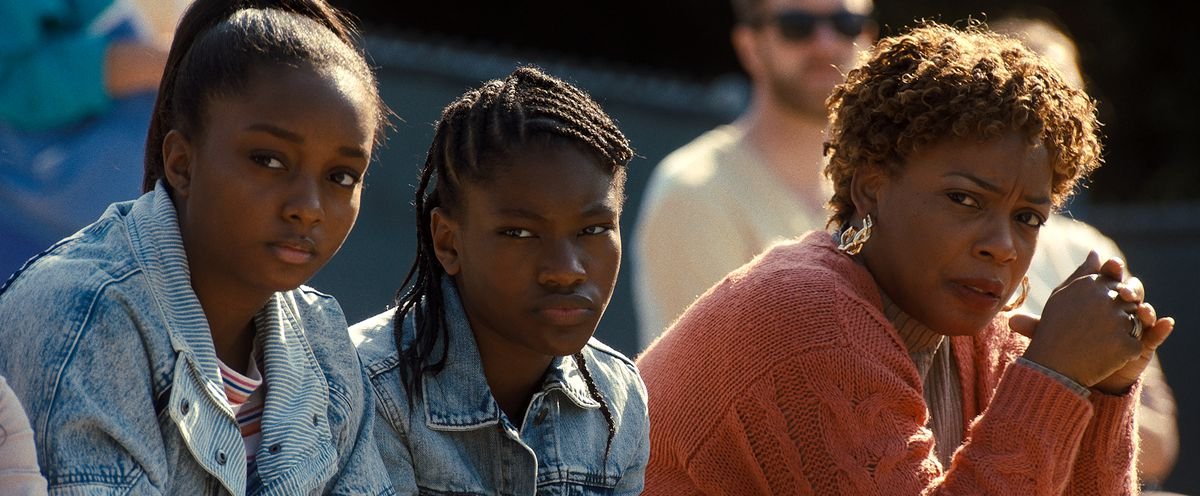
x=1046, y=39
x=936, y=83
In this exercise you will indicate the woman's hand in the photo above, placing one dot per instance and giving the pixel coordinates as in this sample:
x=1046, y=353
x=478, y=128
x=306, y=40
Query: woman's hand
x=1155, y=332
x=1085, y=330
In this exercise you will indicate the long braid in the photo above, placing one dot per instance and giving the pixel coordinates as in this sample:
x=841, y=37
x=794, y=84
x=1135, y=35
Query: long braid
x=474, y=134
x=424, y=286
x=595, y=393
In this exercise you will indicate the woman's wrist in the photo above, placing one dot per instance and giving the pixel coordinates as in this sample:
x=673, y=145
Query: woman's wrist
x=1070, y=383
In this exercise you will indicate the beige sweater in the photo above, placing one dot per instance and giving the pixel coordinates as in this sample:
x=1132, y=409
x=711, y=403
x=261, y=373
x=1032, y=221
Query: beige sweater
x=709, y=207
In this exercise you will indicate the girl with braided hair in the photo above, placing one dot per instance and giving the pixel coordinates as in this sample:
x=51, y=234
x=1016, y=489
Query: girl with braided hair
x=486, y=374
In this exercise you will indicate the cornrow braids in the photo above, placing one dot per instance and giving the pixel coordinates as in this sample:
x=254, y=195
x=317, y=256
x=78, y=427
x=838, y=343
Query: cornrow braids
x=474, y=135
x=595, y=393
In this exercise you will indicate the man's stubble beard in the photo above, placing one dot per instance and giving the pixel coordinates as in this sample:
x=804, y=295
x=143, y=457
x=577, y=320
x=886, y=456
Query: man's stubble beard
x=809, y=107
x=799, y=98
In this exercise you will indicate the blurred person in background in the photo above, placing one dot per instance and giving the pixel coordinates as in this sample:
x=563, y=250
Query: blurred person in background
x=19, y=474
x=715, y=203
x=77, y=84
x=1064, y=241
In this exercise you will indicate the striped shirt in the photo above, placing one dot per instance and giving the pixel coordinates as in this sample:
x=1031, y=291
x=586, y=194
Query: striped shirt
x=245, y=399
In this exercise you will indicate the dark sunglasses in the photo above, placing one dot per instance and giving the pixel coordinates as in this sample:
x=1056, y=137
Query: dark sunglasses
x=799, y=25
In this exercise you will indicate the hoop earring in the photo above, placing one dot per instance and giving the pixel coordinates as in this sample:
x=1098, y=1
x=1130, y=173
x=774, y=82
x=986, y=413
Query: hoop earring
x=1020, y=298
x=853, y=240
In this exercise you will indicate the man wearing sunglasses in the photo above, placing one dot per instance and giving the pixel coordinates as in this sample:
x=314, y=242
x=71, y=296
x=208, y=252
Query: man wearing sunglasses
x=715, y=203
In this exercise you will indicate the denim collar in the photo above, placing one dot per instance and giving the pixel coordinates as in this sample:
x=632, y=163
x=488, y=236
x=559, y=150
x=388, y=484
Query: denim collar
x=296, y=401
x=458, y=398
x=158, y=248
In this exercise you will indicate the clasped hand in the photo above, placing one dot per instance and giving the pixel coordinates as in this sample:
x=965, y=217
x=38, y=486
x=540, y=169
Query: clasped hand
x=1084, y=331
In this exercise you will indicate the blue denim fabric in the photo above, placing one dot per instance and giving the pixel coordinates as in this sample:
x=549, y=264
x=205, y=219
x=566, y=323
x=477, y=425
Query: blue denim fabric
x=456, y=440
x=108, y=347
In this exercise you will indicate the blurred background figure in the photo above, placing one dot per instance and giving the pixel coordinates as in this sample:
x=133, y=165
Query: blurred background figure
x=718, y=201
x=161, y=16
x=19, y=474
x=1064, y=242
x=77, y=82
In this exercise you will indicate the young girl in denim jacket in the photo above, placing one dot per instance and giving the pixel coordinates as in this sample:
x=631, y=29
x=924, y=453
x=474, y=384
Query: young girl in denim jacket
x=497, y=385
x=169, y=347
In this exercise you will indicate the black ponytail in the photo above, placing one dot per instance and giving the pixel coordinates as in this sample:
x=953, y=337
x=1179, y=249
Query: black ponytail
x=218, y=42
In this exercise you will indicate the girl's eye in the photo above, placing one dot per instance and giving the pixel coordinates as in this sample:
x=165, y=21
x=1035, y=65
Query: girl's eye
x=1031, y=219
x=962, y=199
x=517, y=233
x=268, y=161
x=344, y=178
x=597, y=229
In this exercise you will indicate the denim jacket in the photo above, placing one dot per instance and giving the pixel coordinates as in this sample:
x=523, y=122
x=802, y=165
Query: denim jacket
x=104, y=341
x=454, y=439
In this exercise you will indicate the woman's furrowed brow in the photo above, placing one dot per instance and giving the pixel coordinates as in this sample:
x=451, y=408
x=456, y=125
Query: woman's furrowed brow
x=993, y=188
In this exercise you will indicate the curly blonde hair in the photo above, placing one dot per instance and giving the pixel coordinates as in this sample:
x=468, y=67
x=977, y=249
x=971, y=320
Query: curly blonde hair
x=937, y=82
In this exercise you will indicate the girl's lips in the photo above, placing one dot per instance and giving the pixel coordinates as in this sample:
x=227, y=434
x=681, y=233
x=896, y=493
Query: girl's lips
x=293, y=254
x=566, y=317
x=566, y=310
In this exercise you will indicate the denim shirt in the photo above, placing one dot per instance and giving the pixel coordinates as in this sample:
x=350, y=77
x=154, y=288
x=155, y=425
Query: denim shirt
x=108, y=347
x=454, y=439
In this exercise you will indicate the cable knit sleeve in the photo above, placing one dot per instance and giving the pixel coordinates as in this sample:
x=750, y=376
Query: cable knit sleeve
x=1013, y=392
x=863, y=433
x=749, y=450
x=1025, y=442
x=1108, y=452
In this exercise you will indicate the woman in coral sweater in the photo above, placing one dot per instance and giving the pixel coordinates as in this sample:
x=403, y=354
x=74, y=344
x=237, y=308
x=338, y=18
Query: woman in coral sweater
x=881, y=359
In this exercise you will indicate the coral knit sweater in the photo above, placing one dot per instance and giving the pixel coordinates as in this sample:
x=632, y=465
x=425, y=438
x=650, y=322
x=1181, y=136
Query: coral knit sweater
x=787, y=378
